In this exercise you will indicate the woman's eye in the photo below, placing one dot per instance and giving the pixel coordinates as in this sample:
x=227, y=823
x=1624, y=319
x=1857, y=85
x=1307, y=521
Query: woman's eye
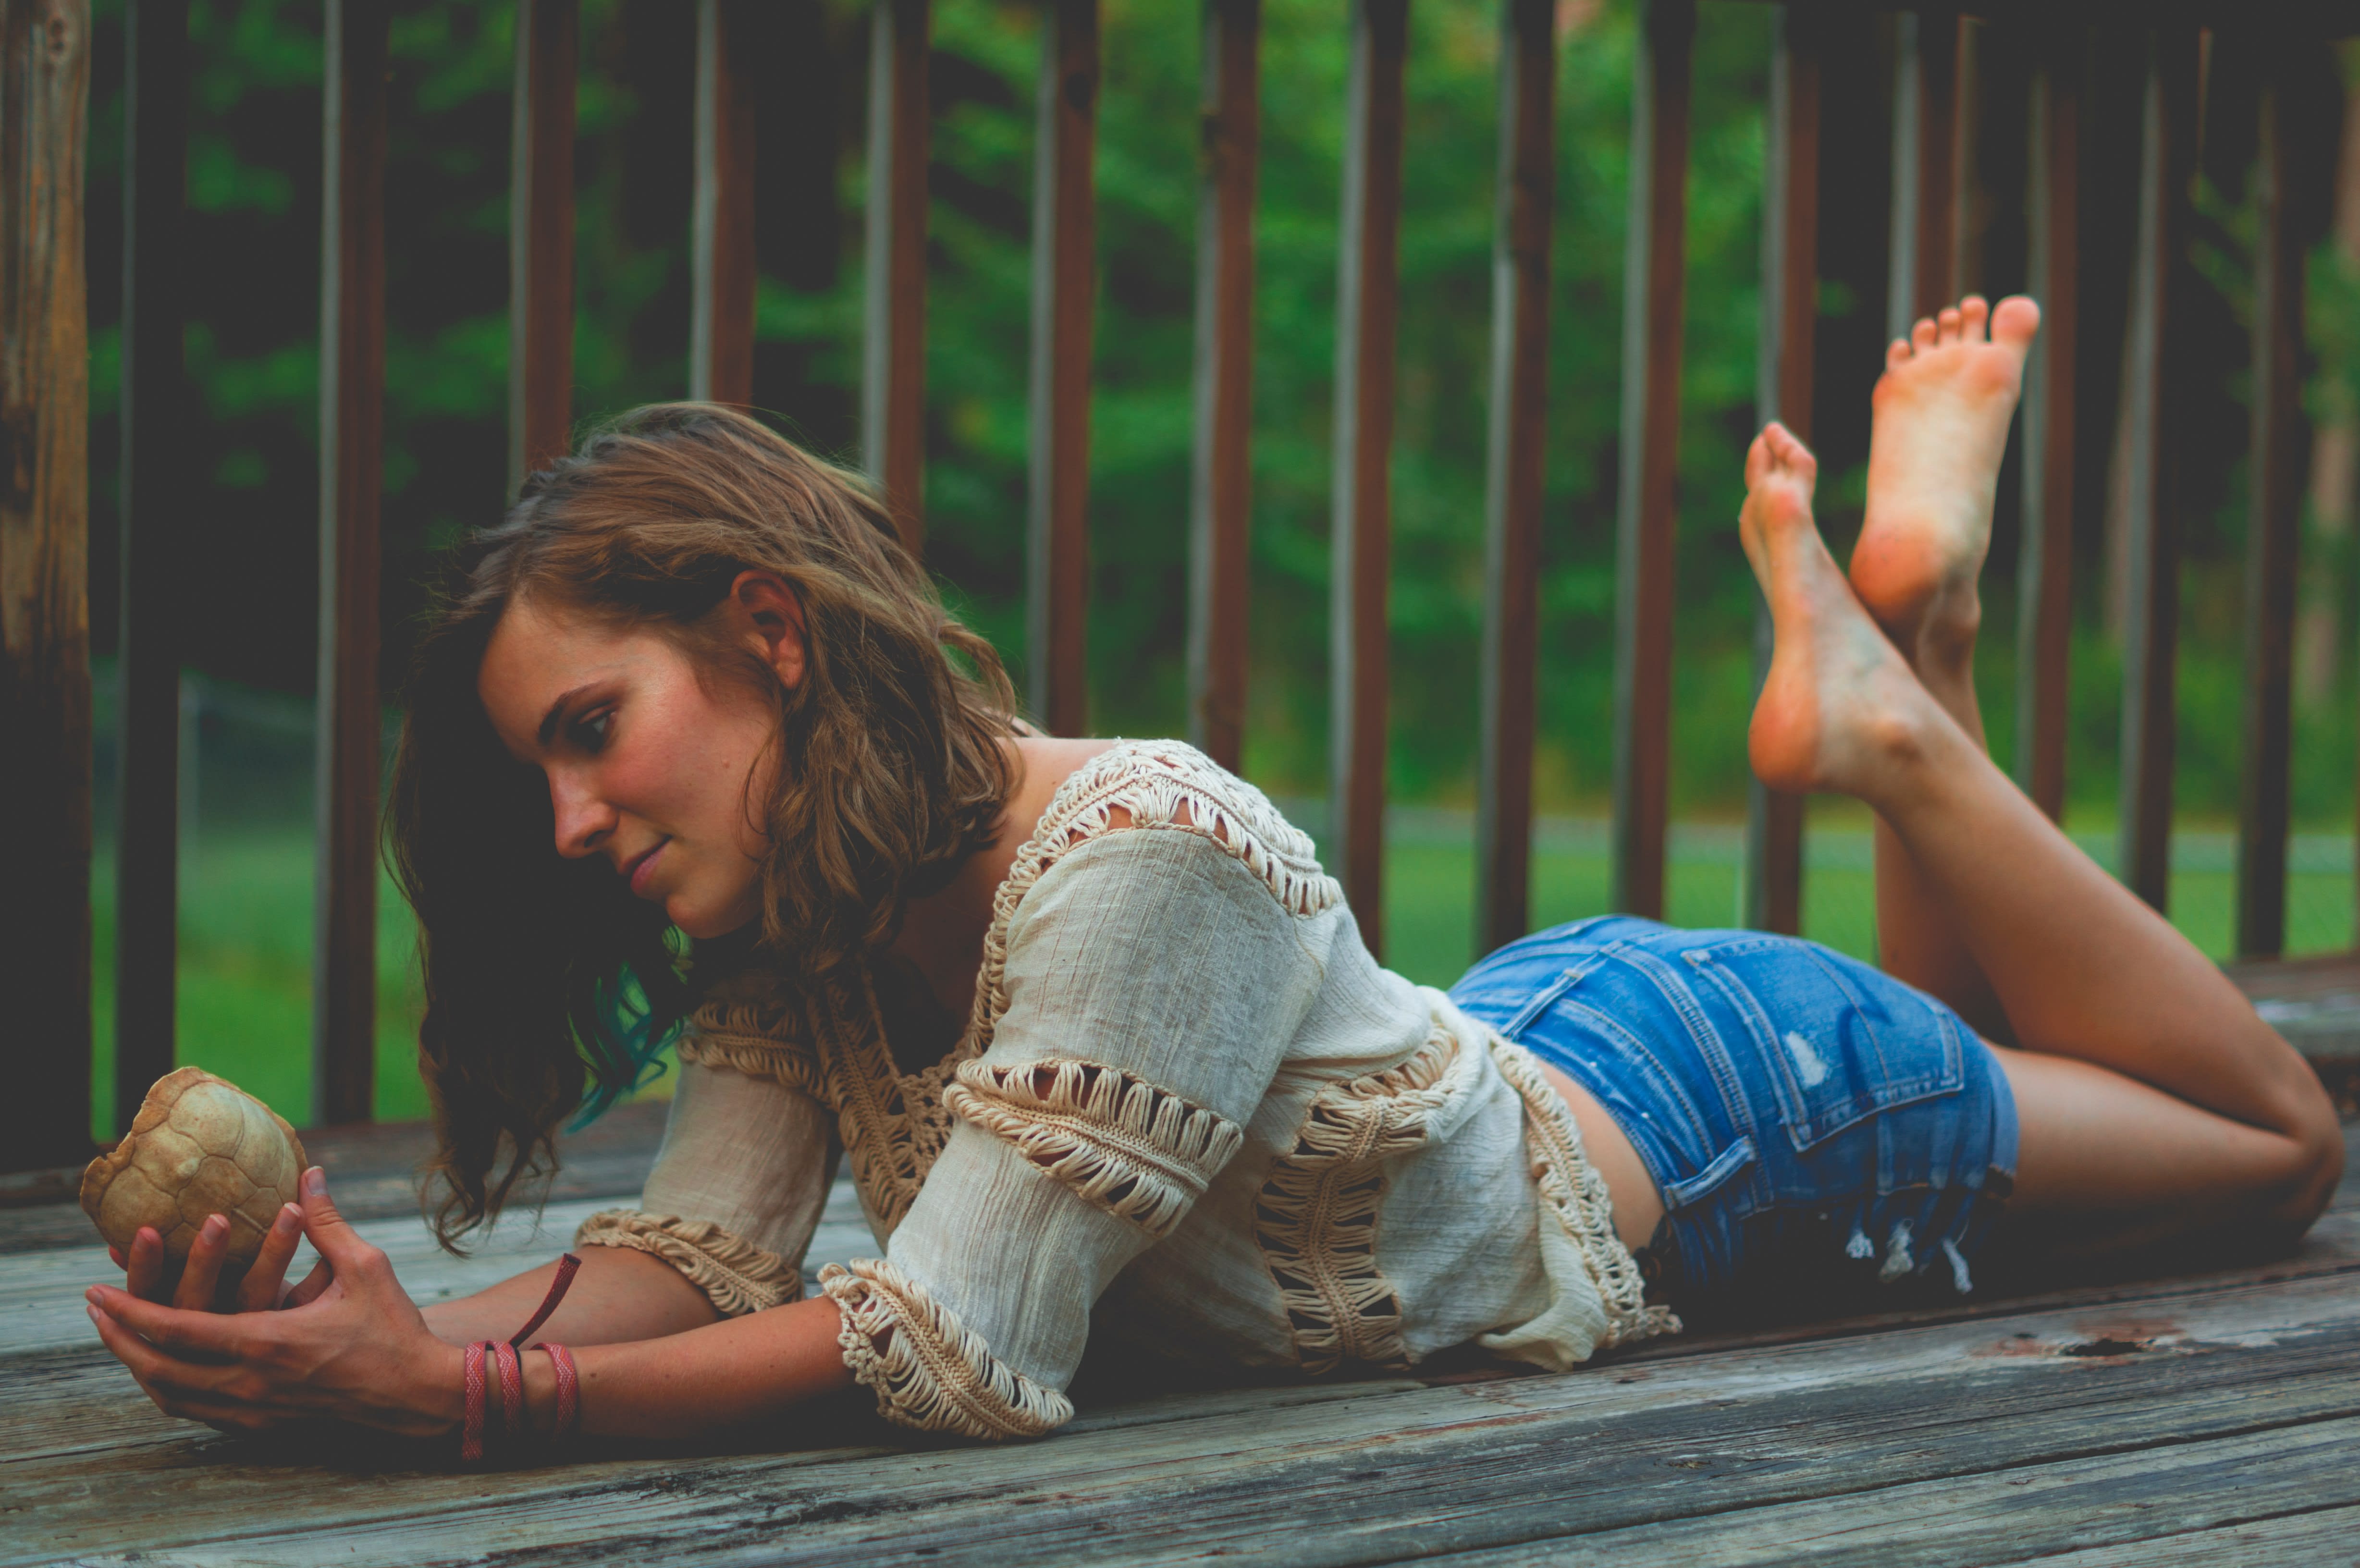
x=591, y=731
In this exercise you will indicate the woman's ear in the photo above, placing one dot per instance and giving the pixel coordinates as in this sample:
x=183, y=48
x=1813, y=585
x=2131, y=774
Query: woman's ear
x=771, y=618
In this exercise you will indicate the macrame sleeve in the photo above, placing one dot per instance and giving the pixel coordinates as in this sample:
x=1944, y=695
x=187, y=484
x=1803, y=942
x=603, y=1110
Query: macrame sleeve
x=1152, y=983
x=736, y=1193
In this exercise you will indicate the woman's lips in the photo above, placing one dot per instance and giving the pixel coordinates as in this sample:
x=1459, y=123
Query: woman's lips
x=640, y=872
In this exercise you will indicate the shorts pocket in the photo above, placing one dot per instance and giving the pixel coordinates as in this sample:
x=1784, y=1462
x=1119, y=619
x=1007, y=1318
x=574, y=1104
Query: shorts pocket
x=1840, y=1040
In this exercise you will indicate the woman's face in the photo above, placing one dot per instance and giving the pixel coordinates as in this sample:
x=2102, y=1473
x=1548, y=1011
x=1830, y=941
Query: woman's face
x=649, y=769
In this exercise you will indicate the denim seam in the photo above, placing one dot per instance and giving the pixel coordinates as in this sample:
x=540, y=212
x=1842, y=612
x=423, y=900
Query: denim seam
x=1700, y=1132
x=1707, y=1039
x=1515, y=1028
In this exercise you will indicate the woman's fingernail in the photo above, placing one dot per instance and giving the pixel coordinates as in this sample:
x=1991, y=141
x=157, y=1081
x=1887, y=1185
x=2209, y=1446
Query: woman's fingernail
x=94, y=1313
x=290, y=1216
x=93, y=1296
x=216, y=1224
x=315, y=1182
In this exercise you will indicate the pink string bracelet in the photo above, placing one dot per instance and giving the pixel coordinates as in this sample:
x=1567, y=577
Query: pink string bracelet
x=509, y=1368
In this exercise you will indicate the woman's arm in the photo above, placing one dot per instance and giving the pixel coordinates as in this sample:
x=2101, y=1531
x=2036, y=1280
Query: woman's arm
x=617, y=1295
x=362, y=1353
x=725, y=1374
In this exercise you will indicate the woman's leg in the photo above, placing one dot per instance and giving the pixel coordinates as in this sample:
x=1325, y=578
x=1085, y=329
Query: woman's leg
x=2150, y=1098
x=1943, y=407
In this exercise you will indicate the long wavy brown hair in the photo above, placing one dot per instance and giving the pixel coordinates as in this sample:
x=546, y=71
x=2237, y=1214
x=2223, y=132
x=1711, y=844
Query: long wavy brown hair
x=544, y=976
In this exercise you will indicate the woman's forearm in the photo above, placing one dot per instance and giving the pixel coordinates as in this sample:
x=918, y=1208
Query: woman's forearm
x=722, y=1375
x=618, y=1295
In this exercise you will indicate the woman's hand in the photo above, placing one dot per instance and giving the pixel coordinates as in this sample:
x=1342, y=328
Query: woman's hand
x=198, y=1288
x=356, y=1350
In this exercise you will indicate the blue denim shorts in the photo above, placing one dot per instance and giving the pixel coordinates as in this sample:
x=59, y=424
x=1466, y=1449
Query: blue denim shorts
x=1787, y=1100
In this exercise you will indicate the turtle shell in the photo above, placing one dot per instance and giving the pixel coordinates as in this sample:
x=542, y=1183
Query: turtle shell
x=199, y=1146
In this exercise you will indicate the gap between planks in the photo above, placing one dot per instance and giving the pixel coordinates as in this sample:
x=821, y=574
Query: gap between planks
x=1357, y=1480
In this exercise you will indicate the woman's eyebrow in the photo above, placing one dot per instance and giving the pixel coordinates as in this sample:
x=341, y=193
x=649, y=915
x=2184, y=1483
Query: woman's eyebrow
x=556, y=711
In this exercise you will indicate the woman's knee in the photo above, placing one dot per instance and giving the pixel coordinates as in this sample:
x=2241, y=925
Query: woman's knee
x=2315, y=1170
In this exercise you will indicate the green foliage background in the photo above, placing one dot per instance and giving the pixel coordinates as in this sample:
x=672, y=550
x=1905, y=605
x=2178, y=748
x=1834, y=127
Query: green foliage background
x=254, y=193
x=250, y=274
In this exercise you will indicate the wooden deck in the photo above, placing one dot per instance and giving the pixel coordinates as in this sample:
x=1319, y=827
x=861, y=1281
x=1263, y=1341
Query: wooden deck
x=2213, y=1417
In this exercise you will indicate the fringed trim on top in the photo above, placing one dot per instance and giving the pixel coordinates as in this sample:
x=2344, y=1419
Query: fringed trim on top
x=736, y=1276
x=1316, y=1217
x=928, y=1369
x=755, y=1024
x=1134, y=1148
x=1577, y=1194
x=895, y=1124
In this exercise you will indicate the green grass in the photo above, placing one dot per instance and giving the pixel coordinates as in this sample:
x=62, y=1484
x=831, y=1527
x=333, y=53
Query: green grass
x=245, y=1007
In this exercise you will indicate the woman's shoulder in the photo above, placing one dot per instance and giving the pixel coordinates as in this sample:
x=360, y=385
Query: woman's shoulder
x=1168, y=786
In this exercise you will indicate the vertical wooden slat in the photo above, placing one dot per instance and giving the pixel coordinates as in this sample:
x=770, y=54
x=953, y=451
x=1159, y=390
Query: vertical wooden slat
x=1065, y=292
x=1222, y=494
x=721, y=297
x=152, y=488
x=1361, y=519
x=1517, y=457
x=351, y=467
x=1784, y=367
x=44, y=589
x=540, y=236
x=893, y=376
x=2045, y=564
x=1924, y=166
x=1655, y=260
x=2273, y=521
x=2150, y=631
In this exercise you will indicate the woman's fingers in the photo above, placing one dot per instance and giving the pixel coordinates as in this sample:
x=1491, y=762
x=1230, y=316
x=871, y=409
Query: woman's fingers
x=319, y=1279
x=260, y=1290
x=200, y=1276
x=178, y=1332
x=143, y=1276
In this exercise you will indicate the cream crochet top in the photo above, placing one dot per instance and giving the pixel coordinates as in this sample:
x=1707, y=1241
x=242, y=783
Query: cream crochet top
x=1189, y=1113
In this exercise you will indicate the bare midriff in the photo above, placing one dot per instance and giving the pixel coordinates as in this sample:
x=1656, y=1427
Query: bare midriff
x=1638, y=1206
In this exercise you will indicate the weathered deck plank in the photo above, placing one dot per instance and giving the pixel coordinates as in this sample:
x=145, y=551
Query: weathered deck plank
x=1386, y=1475
x=2137, y=1419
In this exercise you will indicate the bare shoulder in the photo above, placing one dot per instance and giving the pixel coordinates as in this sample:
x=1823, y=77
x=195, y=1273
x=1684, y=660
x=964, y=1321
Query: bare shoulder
x=1044, y=764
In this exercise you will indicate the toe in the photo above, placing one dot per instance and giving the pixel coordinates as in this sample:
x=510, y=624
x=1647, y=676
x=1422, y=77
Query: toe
x=1925, y=335
x=2016, y=321
x=1757, y=459
x=1947, y=325
x=1972, y=312
x=1897, y=354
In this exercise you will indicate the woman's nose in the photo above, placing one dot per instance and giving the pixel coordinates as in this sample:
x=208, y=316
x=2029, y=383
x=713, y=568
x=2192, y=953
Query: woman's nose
x=584, y=821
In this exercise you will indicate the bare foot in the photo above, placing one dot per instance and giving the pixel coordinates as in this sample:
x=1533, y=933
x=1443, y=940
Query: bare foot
x=1838, y=696
x=1942, y=412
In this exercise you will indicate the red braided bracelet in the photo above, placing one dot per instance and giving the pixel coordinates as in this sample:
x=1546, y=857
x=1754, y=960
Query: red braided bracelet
x=569, y=1392
x=471, y=1431
x=474, y=1382
x=511, y=1367
x=567, y=1267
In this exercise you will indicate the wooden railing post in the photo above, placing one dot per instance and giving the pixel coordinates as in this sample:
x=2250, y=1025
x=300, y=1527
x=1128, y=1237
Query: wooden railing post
x=1361, y=519
x=721, y=297
x=1925, y=167
x=1523, y=206
x=352, y=468
x=1784, y=367
x=1221, y=483
x=1065, y=295
x=893, y=377
x=44, y=587
x=153, y=502
x=2045, y=562
x=1653, y=292
x=2154, y=398
x=2278, y=461
x=540, y=236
